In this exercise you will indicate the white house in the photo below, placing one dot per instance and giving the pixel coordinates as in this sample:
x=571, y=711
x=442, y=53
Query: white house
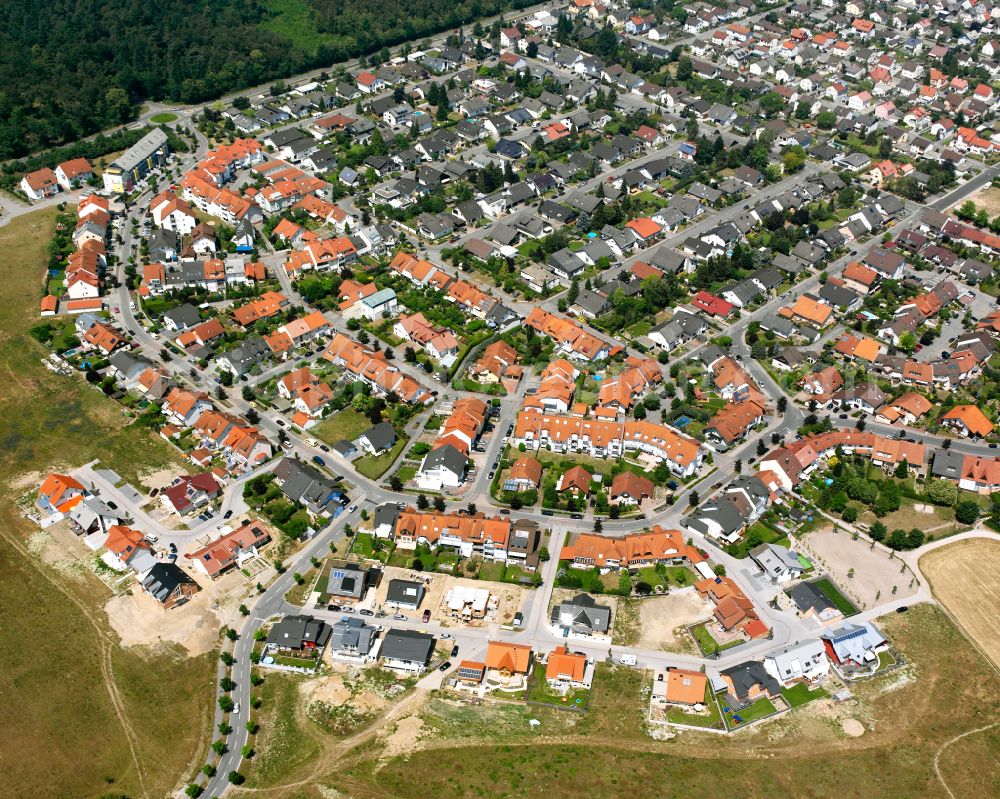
x=443, y=467
x=777, y=562
x=803, y=661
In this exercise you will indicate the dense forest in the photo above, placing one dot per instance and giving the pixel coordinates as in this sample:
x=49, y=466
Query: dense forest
x=69, y=68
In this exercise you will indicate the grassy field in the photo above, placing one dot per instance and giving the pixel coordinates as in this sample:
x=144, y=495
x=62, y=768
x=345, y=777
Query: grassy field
x=802, y=754
x=163, y=118
x=284, y=744
x=965, y=577
x=344, y=425
x=89, y=718
x=374, y=466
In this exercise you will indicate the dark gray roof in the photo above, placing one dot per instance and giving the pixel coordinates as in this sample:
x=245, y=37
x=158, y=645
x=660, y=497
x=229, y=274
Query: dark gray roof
x=386, y=514
x=381, y=437
x=586, y=614
x=805, y=596
x=446, y=456
x=406, y=592
x=408, y=645
x=183, y=316
x=352, y=634
x=294, y=631
x=162, y=580
x=947, y=464
x=245, y=356
x=747, y=675
x=347, y=580
x=723, y=512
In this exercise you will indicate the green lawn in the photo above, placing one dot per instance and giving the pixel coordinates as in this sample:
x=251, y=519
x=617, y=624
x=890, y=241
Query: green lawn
x=164, y=118
x=799, y=694
x=373, y=467
x=759, y=709
x=406, y=472
x=885, y=660
x=710, y=717
x=502, y=573
x=345, y=425
x=364, y=545
x=831, y=592
x=672, y=575
x=540, y=691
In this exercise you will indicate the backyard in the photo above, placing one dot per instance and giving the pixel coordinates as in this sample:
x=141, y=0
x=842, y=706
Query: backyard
x=826, y=587
x=758, y=709
x=800, y=693
x=374, y=466
x=710, y=716
x=539, y=690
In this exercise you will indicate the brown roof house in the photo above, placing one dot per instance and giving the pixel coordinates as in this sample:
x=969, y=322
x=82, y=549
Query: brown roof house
x=575, y=480
x=968, y=420
x=628, y=488
x=525, y=474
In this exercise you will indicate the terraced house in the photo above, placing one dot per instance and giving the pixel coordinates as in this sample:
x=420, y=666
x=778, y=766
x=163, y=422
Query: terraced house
x=609, y=439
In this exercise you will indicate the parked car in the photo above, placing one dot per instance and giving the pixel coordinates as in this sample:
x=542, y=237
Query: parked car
x=454, y=651
x=399, y=617
x=445, y=666
x=227, y=514
x=366, y=612
x=318, y=460
x=427, y=616
x=324, y=447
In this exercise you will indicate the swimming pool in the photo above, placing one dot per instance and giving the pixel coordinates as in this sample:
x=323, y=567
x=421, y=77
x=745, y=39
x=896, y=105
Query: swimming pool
x=682, y=421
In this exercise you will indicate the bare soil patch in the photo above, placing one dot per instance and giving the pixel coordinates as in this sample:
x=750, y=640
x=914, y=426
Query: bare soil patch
x=138, y=619
x=965, y=578
x=161, y=478
x=853, y=727
x=988, y=198
x=874, y=572
x=403, y=739
x=664, y=620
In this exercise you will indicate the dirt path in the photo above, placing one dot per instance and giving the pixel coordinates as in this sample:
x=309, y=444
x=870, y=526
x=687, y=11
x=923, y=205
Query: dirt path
x=105, y=648
x=946, y=744
x=334, y=750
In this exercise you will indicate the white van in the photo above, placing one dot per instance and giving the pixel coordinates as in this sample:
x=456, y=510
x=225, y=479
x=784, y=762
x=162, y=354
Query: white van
x=627, y=660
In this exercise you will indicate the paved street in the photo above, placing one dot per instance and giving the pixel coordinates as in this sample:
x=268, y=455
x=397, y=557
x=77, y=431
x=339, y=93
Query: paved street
x=367, y=494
